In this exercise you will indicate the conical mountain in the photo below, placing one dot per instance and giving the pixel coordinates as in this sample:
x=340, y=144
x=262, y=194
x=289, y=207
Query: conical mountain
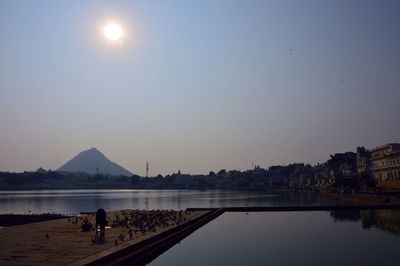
x=92, y=161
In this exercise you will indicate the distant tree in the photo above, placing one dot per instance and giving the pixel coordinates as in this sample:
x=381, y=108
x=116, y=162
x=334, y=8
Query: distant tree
x=367, y=181
x=222, y=173
x=135, y=179
x=122, y=178
x=212, y=174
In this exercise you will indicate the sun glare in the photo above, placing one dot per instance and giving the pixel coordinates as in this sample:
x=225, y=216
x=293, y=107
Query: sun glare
x=113, y=32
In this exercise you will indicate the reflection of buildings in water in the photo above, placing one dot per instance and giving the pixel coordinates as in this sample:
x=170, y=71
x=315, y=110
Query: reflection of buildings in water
x=179, y=200
x=346, y=215
x=385, y=220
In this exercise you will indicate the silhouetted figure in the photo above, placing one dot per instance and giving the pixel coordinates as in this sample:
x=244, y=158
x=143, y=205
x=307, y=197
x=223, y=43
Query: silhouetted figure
x=86, y=226
x=101, y=222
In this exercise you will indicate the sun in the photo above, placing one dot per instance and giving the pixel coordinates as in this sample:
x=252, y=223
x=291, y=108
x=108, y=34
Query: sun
x=113, y=32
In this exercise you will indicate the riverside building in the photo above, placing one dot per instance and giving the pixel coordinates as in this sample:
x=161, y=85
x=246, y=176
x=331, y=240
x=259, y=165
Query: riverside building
x=385, y=162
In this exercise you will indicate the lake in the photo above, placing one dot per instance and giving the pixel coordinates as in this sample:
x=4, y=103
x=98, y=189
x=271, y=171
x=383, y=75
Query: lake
x=292, y=238
x=367, y=237
x=75, y=201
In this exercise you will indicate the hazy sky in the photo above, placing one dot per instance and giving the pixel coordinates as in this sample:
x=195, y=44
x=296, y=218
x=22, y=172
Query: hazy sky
x=197, y=85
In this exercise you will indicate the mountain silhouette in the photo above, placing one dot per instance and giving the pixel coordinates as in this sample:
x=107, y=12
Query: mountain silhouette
x=92, y=161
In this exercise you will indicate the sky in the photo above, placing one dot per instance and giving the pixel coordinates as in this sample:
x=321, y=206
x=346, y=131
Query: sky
x=197, y=85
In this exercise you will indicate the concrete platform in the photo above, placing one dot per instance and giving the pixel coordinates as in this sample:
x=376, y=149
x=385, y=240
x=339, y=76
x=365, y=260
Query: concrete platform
x=66, y=244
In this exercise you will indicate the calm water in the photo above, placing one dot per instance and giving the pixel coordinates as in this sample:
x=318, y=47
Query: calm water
x=75, y=201
x=292, y=238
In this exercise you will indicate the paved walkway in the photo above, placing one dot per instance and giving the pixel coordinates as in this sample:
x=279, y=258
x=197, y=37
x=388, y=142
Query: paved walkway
x=61, y=242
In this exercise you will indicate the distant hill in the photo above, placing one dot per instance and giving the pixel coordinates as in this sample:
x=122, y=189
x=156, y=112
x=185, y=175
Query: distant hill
x=92, y=161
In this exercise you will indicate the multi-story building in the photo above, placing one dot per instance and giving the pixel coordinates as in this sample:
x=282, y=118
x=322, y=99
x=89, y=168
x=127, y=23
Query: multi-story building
x=363, y=163
x=385, y=162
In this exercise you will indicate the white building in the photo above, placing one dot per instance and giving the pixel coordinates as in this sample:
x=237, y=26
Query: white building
x=385, y=162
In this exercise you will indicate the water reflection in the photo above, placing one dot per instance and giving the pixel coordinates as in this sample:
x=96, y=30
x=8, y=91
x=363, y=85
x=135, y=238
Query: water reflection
x=385, y=220
x=285, y=238
x=74, y=201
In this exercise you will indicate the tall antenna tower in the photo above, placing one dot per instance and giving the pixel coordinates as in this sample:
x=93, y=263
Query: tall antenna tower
x=147, y=169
